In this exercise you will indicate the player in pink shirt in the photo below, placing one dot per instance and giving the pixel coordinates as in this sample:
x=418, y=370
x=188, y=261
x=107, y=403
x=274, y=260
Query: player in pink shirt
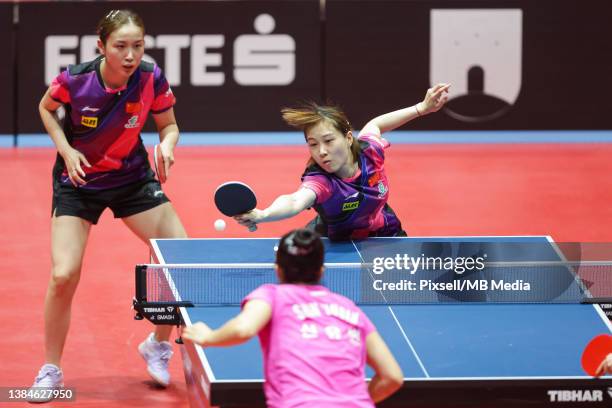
x=315, y=343
x=345, y=180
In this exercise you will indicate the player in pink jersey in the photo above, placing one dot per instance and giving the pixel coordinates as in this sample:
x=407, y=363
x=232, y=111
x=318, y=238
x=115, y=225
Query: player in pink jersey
x=345, y=180
x=102, y=163
x=315, y=343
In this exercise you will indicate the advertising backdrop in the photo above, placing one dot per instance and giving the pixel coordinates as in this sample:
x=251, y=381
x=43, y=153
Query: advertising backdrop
x=512, y=64
x=232, y=65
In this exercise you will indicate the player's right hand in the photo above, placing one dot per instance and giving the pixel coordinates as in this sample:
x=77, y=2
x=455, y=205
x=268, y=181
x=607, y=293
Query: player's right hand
x=197, y=333
x=73, y=160
x=250, y=219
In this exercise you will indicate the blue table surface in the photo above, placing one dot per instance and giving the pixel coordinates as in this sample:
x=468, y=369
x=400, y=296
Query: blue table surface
x=439, y=341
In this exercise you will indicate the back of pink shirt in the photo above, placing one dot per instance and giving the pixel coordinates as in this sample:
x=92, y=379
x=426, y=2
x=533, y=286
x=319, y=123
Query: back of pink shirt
x=313, y=347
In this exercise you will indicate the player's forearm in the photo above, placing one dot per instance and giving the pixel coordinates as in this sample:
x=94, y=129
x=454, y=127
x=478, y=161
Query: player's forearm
x=169, y=135
x=285, y=206
x=393, y=120
x=381, y=388
x=231, y=333
x=54, y=129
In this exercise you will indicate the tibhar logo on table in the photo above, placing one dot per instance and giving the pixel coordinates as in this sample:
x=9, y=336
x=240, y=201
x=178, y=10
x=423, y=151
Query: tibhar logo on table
x=170, y=309
x=577, y=395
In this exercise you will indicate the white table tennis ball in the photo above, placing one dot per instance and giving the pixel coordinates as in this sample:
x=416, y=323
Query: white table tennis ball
x=275, y=248
x=219, y=225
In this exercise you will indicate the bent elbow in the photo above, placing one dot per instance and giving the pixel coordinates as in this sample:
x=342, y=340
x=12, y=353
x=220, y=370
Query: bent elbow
x=396, y=382
x=42, y=109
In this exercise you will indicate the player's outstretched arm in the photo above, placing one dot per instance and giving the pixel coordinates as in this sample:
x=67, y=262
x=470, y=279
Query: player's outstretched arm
x=285, y=206
x=435, y=98
x=389, y=377
x=253, y=317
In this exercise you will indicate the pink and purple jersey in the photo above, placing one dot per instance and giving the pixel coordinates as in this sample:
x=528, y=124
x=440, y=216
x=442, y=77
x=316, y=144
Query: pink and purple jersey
x=314, y=348
x=105, y=124
x=355, y=207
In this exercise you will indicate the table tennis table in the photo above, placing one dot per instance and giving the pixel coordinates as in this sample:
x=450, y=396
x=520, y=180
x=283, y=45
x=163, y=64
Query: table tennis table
x=460, y=354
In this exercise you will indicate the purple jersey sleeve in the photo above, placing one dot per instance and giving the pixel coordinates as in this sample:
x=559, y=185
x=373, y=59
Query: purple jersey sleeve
x=320, y=185
x=164, y=99
x=377, y=142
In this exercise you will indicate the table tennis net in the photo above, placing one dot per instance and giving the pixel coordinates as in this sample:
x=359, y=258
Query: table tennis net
x=500, y=282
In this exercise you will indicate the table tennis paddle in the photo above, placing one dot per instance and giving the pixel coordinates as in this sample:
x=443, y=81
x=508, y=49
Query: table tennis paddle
x=160, y=164
x=235, y=198
x=595, y=352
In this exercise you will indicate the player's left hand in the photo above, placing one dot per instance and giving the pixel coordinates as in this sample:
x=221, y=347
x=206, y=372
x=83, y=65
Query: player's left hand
x=435, y=98
x=197, y=333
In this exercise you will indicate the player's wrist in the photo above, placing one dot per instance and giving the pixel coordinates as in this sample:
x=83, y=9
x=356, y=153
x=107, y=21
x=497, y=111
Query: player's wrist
x=420, y=109
x=169, y=141
x=63, y=148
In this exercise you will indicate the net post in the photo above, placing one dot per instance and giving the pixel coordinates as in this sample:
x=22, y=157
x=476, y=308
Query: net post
x=141, y=283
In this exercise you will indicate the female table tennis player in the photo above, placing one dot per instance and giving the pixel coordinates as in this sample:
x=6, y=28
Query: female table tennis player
x=345, y=179
x=101, y=163
x=315, y=342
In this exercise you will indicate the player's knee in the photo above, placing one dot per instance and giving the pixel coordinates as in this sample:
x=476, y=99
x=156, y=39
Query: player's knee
x=64, y=279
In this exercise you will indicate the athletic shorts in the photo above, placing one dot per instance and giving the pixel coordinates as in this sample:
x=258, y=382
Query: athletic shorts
x=123, y=201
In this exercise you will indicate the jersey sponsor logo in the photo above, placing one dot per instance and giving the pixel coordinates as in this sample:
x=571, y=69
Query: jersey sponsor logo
x=89, y=109
x=89, y=121
x=374, y=179
x=132, y=107
x=132, y=122
x=350, y=206
x=382, y=190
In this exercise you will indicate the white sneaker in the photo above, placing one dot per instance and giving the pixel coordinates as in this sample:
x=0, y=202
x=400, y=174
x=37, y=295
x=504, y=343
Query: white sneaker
x=49, y=378
x=157, y=355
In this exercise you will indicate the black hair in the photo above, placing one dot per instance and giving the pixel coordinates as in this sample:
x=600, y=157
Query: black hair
x=300, y=256
x=114, y=20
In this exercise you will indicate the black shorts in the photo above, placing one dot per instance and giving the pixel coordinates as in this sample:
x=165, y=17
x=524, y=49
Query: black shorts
x=123, y=201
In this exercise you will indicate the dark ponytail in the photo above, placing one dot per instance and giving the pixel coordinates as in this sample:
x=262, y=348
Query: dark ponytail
x=300, y=256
